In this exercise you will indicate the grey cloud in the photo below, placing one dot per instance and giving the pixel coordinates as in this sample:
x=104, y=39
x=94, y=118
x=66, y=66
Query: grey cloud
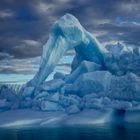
x=27, y=48
x=5, y=56
x=20, y=66
x=127, y=33
x=25, y=25
x=6, y=14
x=21, y=48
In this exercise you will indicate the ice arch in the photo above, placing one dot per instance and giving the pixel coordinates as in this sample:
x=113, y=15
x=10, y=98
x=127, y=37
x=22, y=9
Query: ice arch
x=67, y=33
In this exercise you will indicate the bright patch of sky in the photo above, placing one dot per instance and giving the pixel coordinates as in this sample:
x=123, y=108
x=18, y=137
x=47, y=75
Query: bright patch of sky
x=21, y=76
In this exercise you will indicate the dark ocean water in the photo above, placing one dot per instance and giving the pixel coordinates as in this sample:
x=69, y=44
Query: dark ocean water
x=94, y=132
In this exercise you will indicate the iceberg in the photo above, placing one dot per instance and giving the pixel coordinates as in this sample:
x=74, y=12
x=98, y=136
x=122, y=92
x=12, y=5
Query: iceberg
x=84, y=67
x=50, y=106
x=125, y=87
x=73, y=109
x=59, y=75
x=92, y=82
x=103, y=85
x=52, y=85
x=67, y=33
x=7, y=93
x=121, y=59
x=4, y=105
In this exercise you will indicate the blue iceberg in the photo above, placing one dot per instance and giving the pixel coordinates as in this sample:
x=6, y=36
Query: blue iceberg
x=103, y=80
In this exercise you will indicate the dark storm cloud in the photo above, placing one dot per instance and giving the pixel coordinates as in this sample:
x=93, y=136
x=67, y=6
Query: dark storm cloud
x=25, y=25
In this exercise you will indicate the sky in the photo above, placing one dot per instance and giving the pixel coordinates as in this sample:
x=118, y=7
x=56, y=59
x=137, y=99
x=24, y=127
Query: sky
x=25, y=26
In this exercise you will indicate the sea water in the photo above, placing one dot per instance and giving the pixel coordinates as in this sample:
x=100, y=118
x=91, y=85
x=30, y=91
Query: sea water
x=90, y=132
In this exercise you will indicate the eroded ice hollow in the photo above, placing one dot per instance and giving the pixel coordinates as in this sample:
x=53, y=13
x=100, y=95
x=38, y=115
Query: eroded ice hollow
x=103, y=86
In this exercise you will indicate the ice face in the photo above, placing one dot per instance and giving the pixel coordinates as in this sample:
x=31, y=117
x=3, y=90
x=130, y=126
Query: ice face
x=7, y=93
x=84, y=67
x=50, y=106
x=125, y=87
x=121, y=59
x=52, y=85
x=98, y=81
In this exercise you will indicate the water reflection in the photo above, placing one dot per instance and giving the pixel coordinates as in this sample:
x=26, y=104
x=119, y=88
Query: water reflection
x=98, y=132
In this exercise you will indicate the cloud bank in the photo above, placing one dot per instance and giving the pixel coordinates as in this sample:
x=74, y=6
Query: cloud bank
x=25, y=25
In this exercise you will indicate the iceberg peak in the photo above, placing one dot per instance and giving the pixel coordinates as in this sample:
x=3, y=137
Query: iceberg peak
x=67, y=33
